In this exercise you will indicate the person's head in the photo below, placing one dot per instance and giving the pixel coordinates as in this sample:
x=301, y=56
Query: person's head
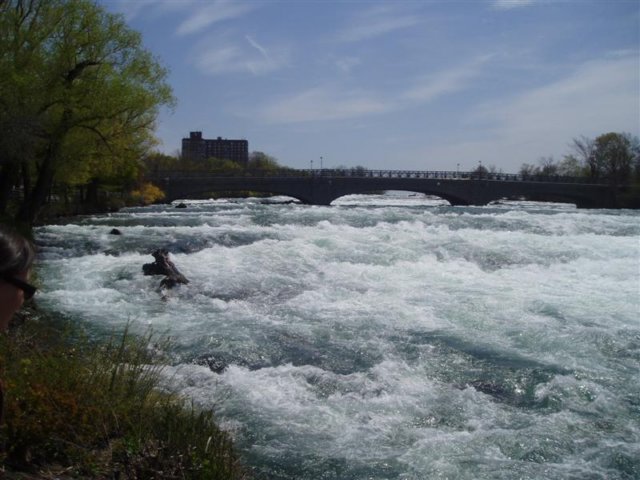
x=16, y=256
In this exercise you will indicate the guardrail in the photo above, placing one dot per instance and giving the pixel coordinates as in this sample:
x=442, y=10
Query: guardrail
x=364, y=173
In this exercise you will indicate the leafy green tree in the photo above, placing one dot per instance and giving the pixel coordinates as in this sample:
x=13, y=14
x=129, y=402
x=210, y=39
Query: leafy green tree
x=614, y=156
x=221, y=166
x=570, y=166
x=77, y=86
x=155, y=162
x=611, y=157
x=262, y=161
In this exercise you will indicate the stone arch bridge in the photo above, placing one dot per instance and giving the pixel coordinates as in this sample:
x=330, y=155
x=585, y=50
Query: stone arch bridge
x=321, y=187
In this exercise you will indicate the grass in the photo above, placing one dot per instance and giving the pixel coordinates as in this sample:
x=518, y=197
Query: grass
x=75, y=408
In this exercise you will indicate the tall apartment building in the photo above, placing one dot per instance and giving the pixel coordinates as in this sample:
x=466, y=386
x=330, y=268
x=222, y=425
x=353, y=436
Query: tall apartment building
x=197, y=148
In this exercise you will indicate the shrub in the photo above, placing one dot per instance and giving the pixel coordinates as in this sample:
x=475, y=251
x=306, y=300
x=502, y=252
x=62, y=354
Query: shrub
x=147, y=194
x=94, y=410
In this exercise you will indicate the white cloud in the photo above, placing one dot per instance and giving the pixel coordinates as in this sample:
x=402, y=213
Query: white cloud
x=321, y=104
x=332, y=103
x=347, y=64
x=597, y=97
x=375, y=22
x=222, y=59
x=510, y=4
x=444, y=82
x=257, y=46
x=217, y=56
x=203, y=15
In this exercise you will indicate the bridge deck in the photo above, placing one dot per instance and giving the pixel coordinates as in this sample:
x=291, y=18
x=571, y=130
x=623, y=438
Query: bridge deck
x=321, y=187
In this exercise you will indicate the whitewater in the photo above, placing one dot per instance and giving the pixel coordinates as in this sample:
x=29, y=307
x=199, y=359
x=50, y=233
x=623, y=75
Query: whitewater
x=385, y=336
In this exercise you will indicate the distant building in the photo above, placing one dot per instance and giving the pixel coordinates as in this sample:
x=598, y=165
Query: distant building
x=197, y=148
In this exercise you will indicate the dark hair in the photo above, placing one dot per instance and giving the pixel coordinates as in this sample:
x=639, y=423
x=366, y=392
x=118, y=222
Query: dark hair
x=16, y=252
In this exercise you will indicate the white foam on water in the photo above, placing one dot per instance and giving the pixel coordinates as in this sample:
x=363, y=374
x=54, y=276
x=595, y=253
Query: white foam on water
x=384, y=340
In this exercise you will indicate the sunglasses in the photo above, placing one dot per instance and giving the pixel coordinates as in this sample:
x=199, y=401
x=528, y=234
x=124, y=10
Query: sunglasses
x=28, y=289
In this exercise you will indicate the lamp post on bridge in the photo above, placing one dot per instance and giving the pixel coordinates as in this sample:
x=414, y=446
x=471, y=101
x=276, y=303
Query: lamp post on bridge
x=321, y=162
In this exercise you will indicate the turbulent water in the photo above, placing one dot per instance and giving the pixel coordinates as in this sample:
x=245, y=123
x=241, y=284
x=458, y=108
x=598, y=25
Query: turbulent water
x=384, y=337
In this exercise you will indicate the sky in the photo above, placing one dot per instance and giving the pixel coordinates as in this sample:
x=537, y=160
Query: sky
x=404, y=84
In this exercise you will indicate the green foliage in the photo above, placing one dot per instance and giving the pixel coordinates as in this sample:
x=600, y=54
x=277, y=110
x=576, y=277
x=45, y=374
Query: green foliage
x=156, y=163
x=78, y=92
x=570, y=166
x=93, y=410
x=262, y=161
x=611, y=157
x=212, y=165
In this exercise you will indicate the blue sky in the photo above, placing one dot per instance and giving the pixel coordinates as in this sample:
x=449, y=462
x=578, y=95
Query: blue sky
x=399, y=84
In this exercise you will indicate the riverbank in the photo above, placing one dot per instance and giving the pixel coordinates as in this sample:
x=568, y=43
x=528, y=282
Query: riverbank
x=80, y=408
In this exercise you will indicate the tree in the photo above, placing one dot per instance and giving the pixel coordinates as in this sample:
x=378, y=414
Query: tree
x=614, y=156
x=262, y=161
x=156, y=162
x=480, y=171
x=584, y=149
x=528, y=170
x=78, y=87
x=547, y=167
x=570, y=166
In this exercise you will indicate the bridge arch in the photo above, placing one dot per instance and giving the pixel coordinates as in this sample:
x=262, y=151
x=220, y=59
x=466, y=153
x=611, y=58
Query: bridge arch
x=579, y=201
x=451, y=199
x=205, y=193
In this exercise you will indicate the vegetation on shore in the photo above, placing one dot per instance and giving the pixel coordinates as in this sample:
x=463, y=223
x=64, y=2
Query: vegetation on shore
x=76, y=408
x=610, y=158
x=79, y=96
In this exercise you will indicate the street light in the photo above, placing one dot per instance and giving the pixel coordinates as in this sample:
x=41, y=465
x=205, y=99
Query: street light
x=320, y=162
x=311, y=164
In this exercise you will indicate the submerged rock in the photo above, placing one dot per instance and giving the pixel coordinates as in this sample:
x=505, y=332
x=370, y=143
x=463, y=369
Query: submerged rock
x=215, y=363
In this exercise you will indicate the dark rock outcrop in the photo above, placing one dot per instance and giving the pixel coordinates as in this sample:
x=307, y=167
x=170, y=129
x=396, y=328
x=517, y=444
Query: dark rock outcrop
x=164, y=266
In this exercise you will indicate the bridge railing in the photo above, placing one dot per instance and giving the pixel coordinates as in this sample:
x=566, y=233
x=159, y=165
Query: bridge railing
x=364, y=173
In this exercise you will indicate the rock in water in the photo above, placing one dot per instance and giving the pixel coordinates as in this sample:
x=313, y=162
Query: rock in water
x=164, y=266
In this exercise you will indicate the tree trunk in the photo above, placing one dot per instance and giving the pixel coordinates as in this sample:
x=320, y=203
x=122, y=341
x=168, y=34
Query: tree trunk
x=26, y=179
x=92, y=193
x=7, y=181
x=36, y=198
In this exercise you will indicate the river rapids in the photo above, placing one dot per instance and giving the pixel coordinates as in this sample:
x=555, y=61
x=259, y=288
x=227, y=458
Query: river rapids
x=384, y=337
